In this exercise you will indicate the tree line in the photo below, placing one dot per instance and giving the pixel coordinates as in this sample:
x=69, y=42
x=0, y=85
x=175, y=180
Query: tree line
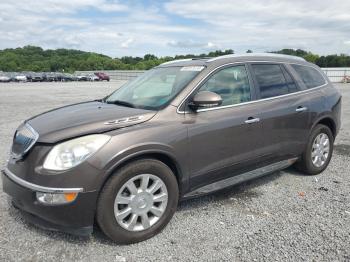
x=341, y=60
x=33, y=58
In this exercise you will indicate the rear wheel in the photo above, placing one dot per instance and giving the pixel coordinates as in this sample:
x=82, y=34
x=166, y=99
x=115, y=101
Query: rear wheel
x=138, y=201
x=318, y=152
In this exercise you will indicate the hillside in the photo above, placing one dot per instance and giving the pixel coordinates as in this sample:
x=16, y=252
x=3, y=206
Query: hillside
x=32, y=58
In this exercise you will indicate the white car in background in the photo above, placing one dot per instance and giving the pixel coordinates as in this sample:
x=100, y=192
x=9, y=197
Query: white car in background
x=4, y=79
x=20, y=77
x=92, y=77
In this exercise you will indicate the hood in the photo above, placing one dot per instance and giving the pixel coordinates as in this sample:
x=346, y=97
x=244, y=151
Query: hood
x=85, y=118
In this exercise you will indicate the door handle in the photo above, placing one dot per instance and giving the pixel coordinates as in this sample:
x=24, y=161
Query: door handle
x=252, y=120
x=301, y=109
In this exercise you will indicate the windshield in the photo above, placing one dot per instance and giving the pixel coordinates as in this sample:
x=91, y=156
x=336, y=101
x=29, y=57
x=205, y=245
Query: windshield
x=154, y=89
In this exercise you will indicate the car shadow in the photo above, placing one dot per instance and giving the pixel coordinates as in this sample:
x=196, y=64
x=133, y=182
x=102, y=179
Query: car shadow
x=293, y=171
x=19, y=217
x=242, y=191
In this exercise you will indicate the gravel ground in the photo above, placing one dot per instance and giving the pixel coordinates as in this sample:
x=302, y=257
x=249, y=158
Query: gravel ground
x=284, y=216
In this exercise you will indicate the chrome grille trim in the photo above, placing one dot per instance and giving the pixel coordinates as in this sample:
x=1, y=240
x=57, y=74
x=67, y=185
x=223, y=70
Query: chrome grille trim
x=39, y=188
x=31, y=138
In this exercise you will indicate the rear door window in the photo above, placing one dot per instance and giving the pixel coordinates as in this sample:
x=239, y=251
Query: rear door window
x=310, y=76
x=272, y=80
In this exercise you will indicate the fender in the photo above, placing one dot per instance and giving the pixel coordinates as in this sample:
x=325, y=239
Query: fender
x=328, y=116
x=144, y=149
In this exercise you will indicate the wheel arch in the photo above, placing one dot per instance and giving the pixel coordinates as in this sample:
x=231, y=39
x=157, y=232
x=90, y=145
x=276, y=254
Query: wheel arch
x=329, y=122
x=162, y=156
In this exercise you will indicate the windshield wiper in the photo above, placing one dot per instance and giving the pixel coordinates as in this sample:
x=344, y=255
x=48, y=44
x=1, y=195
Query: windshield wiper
x=122, y=103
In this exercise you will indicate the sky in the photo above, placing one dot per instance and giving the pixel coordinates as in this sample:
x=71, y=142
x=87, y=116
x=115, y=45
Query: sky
x=134, y=28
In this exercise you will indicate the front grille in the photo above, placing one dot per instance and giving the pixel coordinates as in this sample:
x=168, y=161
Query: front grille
x=25, y=137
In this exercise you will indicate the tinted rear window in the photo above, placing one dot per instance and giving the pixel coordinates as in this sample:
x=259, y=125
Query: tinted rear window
x=272, y=81
x=310, y=76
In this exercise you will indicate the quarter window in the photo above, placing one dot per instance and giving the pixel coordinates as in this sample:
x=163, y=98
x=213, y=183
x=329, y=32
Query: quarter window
x=310, y=76
x=272, y=80
x=231, y=84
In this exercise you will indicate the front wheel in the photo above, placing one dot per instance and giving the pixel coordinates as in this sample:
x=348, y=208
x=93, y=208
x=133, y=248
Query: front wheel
x=318, y=152
x=138, y=201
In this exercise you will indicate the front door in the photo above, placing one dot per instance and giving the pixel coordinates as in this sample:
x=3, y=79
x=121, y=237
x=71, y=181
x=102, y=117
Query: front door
x=228, y=138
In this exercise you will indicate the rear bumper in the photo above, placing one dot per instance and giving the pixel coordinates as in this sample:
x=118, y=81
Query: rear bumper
x=75, y=218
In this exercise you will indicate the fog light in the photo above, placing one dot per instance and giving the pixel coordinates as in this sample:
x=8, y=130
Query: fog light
x=56, y=199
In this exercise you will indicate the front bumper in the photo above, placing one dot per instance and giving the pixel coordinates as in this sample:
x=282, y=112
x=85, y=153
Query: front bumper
x=75, y=218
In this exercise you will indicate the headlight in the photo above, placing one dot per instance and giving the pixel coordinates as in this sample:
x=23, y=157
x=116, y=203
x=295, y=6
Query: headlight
x=71, y=153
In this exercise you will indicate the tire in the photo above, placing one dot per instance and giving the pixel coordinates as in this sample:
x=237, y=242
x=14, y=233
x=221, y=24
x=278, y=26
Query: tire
x=305, y=163
x=105, y=214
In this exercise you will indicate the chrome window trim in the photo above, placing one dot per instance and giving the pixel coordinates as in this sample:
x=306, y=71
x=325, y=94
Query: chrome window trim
x=36, y=137
x=257, y=101
x=250, y=102
x=38, y=188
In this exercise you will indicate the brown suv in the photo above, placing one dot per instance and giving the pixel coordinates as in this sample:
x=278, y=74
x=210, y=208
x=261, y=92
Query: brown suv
x=182, y=129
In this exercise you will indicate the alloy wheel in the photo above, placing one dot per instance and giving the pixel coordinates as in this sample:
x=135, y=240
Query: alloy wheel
x=140, y=202
x=320, y=150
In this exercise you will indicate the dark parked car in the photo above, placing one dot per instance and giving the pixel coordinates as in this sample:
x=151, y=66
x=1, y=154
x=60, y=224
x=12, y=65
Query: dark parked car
x=183, y=129
x=60, y=77
x=50, y=77
x=37, y=77
x=29, y=76
x=81, y=77
x=69, y=77
x=102, y=76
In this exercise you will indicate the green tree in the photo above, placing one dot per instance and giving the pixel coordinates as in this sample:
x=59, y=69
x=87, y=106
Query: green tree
x=33, y=58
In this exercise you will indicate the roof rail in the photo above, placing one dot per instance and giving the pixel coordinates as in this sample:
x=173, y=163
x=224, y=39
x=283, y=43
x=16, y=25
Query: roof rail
x=257, y=54
x=175, y=61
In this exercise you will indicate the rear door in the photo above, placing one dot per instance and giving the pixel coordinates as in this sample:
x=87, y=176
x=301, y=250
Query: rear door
x=311, y=81
x=284, y=110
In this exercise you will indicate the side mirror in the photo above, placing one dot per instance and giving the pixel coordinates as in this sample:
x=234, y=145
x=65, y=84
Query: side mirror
x=205, y=99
